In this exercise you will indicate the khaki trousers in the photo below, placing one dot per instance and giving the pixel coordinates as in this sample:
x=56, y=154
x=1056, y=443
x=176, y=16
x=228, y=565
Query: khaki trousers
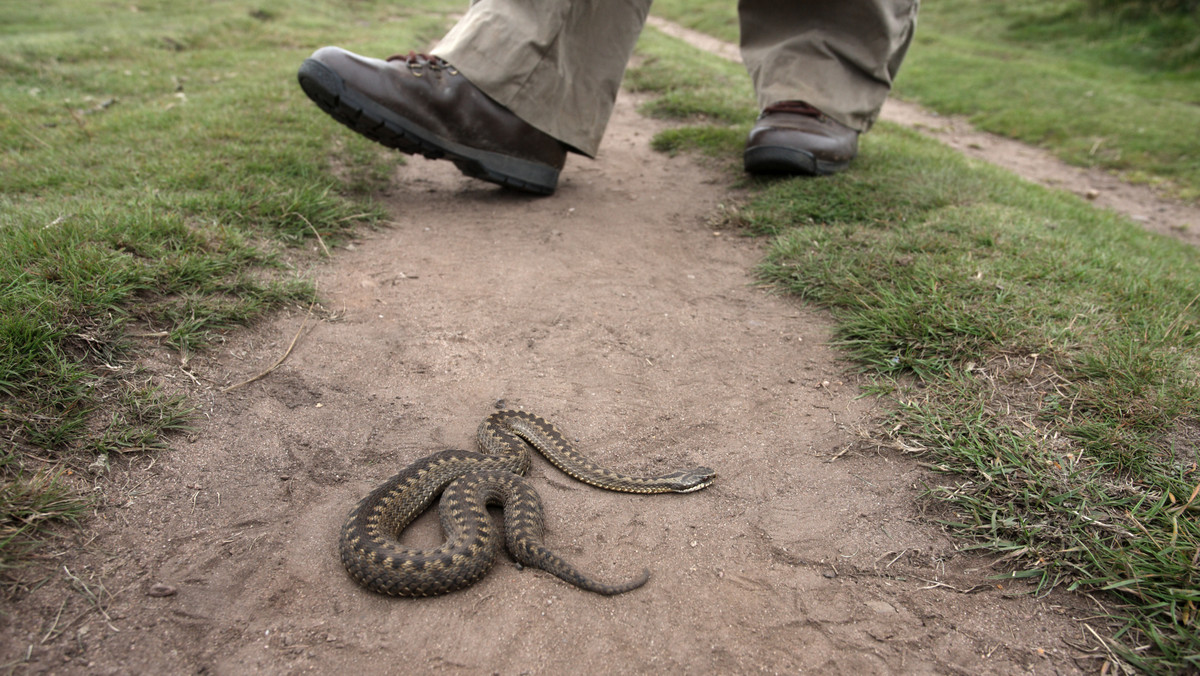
x=558, y=64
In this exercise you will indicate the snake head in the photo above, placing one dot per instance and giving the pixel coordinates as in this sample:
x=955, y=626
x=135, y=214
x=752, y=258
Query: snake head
x=688, y=480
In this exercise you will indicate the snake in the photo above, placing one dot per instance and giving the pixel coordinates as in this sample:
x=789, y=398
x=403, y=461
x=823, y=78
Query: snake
x=468, y=482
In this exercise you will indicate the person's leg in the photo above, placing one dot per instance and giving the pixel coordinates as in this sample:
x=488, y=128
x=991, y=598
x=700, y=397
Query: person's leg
x=557, y=64
x=513, y=86
x=839, y=58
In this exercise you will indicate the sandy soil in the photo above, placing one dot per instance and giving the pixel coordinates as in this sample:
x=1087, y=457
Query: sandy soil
x=620, y=309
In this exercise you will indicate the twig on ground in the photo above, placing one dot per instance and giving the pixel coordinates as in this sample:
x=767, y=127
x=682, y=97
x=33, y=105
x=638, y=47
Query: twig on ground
x=969, y=590
x=54, y=625
x=1017, y=553
x=1113, y=658
x=274, y=366
x=896, y=558
x=314, y=231
x=99, y=598
x=189, y=374
x=839, y=454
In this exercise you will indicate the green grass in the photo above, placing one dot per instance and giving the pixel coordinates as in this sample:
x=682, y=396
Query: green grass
x=161, y=176
x=715, y=91
x=1117, y=90
x=1041, y=354
x=714, y=17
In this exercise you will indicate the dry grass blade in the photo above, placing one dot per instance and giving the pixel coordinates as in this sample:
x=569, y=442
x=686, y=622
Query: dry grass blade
x=324, y=249
x=281, y=359
x=933, y=584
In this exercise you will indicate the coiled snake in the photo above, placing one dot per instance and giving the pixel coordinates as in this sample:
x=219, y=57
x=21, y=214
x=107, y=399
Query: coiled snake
x=468, y=482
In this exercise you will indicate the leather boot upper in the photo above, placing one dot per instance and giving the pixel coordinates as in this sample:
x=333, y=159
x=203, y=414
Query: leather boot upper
x=433, y=94
x=815, y=142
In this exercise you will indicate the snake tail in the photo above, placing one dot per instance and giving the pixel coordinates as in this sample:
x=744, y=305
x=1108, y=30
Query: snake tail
x=537, y=556
x=524, y=528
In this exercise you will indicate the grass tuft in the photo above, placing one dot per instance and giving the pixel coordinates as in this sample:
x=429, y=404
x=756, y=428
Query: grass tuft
x=29, y=503
x=719, y=93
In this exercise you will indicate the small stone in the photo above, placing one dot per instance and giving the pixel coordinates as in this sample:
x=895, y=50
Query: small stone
x=159, y=589
x=881, y=607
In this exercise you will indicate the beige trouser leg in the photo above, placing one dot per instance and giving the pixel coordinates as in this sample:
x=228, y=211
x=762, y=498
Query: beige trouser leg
x=558, y=64
x=839, y=57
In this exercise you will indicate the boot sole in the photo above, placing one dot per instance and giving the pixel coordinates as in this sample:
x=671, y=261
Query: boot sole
x=328, y=90
x=781, y=160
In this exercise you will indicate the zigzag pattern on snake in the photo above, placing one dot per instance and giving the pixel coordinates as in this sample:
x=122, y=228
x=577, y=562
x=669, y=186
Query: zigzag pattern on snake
x=468, y=482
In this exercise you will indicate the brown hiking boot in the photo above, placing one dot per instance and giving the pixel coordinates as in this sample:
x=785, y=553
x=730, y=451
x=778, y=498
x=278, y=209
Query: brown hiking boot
x=792, y=137
x=420, y=104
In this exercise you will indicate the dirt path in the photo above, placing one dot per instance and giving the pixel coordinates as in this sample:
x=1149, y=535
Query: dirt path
x=614, y=309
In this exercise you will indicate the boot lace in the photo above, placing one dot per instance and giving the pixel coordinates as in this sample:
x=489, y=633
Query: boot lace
x=417, y=63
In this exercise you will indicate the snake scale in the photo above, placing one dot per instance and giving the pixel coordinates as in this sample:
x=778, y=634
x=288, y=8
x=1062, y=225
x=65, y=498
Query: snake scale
x=468, y=482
